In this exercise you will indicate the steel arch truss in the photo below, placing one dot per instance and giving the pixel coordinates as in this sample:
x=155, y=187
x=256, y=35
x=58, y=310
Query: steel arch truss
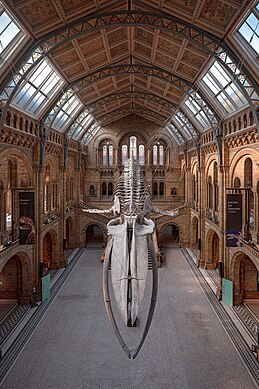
x=110, y=71
x=182, y=122
x=132, y=95
x=208, y=42
x=135, y=110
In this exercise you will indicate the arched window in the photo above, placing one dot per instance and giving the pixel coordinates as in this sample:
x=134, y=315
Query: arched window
x=124, y=154
x=209, y=193
x=248, y=172
x=110, y=189
x=193, y=188
x=155, y=155
x=141, y=154
x=133, y=147
x=237, y=184
x=105, y=156
x=161, y=155
x=161, y=189
x=196, y=185
x=155, y=189
x=110, y=156
x=215, y=187
x=104, y=189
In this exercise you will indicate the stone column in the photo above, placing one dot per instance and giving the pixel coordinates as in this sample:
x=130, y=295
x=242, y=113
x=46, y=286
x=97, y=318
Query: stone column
x=201, y=211
x=62, y=223
x=39, y=181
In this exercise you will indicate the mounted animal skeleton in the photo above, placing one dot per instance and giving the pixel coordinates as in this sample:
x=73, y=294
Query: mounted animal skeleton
x=127, y=250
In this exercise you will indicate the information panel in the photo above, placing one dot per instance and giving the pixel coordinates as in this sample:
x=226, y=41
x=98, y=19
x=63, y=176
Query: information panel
x=234, y=219
x=227, y=292
x=45, y=287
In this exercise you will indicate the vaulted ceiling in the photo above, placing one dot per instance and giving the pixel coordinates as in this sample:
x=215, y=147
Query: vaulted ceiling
x=141, y=59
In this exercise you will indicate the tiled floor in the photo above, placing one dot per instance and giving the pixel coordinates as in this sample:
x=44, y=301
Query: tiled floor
x=74, y=346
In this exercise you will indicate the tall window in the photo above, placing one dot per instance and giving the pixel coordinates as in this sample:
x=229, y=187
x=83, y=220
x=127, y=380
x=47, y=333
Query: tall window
x=105, y=156
x=249, y=30
x=110, y=155
x=133, y=147
x=155, y=159
x=215, y=186
x=209, y=193
x=248, y=172
x=141, y=154
x=161, y=155
x=124, y=154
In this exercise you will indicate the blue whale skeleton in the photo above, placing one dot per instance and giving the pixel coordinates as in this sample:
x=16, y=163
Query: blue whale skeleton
x=129, y=238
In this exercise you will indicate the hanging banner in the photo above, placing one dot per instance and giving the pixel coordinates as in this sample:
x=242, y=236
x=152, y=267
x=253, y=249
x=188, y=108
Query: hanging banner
x=26, y=220
x=234, y=220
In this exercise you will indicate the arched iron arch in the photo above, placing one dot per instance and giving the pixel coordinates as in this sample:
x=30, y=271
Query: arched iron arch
x=113, y=70
x=155, y=20
x=132, y=95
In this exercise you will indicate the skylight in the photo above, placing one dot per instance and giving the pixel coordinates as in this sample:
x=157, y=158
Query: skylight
x=80, y=125
x=185, y=124
x=175, y=132
x=223, y=88
x=250, y=29
x=91, y=132
x=68, y=109
x=197, y=111
x=10, y=33
x=38, y=89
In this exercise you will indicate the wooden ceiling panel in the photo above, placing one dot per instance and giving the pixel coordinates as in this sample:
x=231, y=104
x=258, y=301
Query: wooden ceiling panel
x=122, y=44
x=92, y=47
x=164, y=60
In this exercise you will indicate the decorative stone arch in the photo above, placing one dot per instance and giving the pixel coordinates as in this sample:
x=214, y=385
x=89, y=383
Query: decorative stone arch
x=92, y=225
x=51, y=249
x=126, y=134
x=212, y=249
x=177, y=232
x=49, y=159
x=17, y=276
x=246, y=152
x=209, y=165
x=100, y=137
x=18, y=156
x=244, y=275
x=194, y=165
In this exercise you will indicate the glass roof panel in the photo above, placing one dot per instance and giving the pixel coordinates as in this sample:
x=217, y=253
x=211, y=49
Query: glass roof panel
x=68, y=110
x=220, y=85
x=40, y=87
x=249, y=30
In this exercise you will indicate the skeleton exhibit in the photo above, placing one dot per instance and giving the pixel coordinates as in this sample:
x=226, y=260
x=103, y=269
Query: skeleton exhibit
x=129, y=241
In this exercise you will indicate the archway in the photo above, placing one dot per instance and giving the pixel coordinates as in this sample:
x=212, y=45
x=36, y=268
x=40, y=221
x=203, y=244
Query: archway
x=94, y=236
x=11, y=280
x=49, y=250
x=212, y=250
x=169, y=235
x=245, y=279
